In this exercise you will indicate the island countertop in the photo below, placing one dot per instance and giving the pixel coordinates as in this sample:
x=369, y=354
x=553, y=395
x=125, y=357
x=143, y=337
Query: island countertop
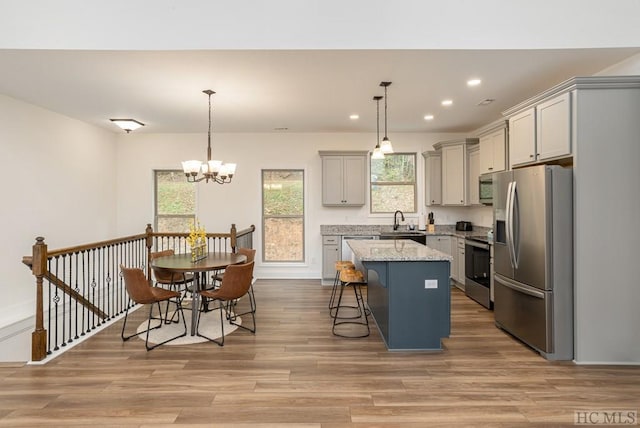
x=400, y=250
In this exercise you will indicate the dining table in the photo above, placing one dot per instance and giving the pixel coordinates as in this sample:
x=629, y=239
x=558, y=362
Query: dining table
x=182, y=263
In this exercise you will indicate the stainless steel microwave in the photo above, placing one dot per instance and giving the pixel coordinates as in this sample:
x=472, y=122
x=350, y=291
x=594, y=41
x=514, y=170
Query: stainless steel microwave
x=485, y=189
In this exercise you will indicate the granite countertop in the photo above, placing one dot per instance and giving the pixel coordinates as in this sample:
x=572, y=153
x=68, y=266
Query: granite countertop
x=376, y=229
x=394, y=250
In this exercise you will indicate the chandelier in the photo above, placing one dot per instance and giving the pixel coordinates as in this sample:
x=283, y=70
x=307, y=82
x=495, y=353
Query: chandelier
x=385, y=147
x=212, y=170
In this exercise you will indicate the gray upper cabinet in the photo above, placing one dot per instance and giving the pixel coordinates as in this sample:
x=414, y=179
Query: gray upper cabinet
x=553, y=127
x=344, y=178
x=473, y=164
x=522, y=137
x=455, y=190
x=433, y=178
x=541, y=132
x=493, y=145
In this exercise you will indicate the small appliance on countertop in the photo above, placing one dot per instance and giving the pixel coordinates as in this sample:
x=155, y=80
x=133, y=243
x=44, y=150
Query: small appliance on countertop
x=465, y=226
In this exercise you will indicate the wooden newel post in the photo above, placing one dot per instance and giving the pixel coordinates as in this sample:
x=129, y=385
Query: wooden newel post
x=149, y=243
x=39, y=269
x=233, y=238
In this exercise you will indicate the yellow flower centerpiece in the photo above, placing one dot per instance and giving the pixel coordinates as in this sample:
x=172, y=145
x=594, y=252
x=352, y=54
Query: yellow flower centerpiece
x=197, y=240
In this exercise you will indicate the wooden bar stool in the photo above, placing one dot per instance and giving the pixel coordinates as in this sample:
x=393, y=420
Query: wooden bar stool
x=355, y=279
x=340, y=266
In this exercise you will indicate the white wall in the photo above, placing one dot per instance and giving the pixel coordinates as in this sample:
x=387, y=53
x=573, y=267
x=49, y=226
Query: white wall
x=57, y=182
x=240, y=201
x=628, y=67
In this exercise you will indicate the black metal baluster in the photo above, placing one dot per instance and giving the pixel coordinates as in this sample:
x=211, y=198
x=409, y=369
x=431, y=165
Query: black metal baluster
x=93, y=286
x=64, y=302
x=84, y=293
x=56, y=299
x=77, y=289
x=108, y=291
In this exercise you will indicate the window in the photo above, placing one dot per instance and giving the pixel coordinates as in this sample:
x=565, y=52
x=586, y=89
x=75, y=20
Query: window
x=393, y=183
x=283, y=215
x=175, y=201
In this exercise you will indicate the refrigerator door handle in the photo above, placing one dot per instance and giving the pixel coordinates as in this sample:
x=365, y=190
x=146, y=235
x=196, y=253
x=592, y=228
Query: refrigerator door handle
x=514, y=206
x=519, y=288
x=506, y=220
x=509, y=224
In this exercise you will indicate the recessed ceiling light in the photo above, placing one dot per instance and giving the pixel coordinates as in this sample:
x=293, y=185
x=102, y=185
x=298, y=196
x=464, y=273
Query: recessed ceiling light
x=281, y=129
x=354, y=117
x=447, y=103
x=474, y=82
x=428, y=117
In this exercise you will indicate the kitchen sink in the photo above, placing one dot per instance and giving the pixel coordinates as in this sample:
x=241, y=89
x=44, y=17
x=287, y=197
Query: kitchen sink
x=419, y=237
x=402, y=232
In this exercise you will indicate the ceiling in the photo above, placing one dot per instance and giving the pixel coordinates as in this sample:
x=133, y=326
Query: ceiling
x=301, y=90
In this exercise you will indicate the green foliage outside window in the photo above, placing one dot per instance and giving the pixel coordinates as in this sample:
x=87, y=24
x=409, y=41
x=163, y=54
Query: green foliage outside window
x=393, y=183
x=283, y=215
x=175, y=201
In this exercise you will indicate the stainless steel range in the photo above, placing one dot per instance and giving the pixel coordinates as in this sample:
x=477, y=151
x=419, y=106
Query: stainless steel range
x=477, y=269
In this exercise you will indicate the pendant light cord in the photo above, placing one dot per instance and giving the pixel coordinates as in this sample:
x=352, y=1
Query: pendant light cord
x=377, y=122
x=209, y=92
x=385, y=112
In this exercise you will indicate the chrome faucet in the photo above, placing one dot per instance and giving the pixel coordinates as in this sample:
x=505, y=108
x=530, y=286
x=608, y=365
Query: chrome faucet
x=395, y=219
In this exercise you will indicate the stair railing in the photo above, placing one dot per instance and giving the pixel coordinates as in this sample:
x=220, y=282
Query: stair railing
x=79, y=289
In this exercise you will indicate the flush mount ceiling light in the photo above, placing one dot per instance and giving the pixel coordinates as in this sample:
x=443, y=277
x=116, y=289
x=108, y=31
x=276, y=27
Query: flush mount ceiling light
x=127, y=124
x=212, y=170
x=385, y=147
x=377, y=153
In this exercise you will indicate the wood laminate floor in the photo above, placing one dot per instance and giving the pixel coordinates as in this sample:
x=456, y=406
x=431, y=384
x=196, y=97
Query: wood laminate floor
x=294, y=373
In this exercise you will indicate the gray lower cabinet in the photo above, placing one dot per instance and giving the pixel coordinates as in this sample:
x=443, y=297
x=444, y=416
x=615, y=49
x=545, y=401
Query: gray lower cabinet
x=330, y=255
x=440, y=242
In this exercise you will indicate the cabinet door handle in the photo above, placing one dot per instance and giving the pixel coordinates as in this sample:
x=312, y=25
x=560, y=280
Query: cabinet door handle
x=490, y=169
x=531, y=156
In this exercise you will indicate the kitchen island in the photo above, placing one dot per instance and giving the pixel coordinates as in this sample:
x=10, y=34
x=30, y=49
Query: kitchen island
x=408, y=292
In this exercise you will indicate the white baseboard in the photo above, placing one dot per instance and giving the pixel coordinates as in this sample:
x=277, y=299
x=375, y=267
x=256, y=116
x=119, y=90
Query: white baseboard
x=15, y=341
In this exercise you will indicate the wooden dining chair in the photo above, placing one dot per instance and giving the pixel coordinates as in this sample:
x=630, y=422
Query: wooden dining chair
x=250, y=254
x=235, y=284
x=141, y=292
x=172, y=280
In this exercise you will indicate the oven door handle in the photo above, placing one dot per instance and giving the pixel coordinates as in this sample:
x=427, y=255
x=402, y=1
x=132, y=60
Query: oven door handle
x=476, y=244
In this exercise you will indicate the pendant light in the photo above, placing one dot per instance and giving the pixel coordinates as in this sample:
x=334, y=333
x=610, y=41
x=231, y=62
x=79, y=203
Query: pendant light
x=211, y=170
x=385, y=147
x=377, y=153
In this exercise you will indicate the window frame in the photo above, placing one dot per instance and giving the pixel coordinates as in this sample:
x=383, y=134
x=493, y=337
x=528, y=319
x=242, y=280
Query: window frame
x=414, y=183
x=302, y=216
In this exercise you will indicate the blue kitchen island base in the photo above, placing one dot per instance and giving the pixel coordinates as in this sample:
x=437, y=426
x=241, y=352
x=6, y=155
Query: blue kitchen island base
x=410, y=302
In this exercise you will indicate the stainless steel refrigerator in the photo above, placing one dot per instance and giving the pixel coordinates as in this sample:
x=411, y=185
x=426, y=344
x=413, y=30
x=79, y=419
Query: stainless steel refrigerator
x=533, y=257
